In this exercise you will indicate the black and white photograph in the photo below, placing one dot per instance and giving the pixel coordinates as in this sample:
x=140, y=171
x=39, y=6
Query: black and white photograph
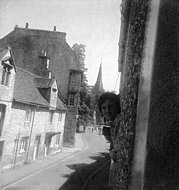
x=89, y=95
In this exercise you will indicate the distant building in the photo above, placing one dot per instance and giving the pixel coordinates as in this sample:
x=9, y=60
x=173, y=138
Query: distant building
x=33, y=51
x=96, y=91
x=32, y=115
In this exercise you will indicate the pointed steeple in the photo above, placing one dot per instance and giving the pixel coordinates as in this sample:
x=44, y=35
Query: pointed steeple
x=99, y=83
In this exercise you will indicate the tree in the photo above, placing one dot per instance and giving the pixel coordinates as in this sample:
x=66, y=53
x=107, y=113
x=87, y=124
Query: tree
x=84, y=109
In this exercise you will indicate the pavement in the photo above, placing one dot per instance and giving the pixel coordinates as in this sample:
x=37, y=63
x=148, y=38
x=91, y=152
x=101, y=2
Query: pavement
x=10, y=176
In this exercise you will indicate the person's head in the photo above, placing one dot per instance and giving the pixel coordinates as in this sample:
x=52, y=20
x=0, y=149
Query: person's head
x=109, y=105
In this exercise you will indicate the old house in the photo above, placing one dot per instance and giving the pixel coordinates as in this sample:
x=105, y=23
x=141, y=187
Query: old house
x=7, y=79
x=148, y=61
x=32, y=114
x=32, y=49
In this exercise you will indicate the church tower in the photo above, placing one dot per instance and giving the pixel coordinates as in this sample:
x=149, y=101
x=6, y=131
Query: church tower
x=99, y=84
x=96, y=91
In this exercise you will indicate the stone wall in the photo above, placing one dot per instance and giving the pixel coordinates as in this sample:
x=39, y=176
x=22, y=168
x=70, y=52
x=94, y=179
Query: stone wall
x=156, y=161
x=70, y=127
x=28, y=44
x=163, y=133
x=129, y=92
x=38, y=125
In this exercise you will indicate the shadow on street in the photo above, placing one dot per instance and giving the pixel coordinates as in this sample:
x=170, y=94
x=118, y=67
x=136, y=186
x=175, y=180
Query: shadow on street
x=83, y=171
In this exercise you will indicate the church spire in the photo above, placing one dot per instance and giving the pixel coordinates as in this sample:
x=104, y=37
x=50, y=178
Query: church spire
x=99, y=83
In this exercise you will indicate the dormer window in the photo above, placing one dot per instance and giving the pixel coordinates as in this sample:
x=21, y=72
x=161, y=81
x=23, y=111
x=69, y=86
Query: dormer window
x=54, y=89
x=54, y=94
x=6, y=75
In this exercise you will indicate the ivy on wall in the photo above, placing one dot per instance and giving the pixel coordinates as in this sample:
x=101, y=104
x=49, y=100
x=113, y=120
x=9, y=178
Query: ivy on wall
x=136, y=37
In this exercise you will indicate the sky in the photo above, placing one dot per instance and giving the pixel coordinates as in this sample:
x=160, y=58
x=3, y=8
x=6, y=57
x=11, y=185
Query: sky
x=94, y=23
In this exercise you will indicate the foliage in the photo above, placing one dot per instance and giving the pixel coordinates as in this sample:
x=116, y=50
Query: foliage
x=84, y=109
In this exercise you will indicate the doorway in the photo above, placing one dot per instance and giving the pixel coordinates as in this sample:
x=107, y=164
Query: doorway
x=36, y=147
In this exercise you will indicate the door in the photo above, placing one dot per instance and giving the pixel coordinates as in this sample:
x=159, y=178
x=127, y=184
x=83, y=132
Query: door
x=36, y=147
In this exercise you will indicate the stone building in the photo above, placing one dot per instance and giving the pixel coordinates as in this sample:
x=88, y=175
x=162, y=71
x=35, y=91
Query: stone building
x=148, y=61
x=33, y=49
x=7, y=79
x=32, y=115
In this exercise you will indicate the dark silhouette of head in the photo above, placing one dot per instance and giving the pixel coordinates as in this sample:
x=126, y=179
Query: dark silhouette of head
x=109, y=105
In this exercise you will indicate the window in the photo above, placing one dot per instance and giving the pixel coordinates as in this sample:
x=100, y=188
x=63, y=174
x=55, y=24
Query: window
x=60, y=117
x=70, y=126
x=2, y=115
x=1, y=149
x=5, y=75
x=54, y=94
x=28, y=115
x=58, y=139
x=47, y=63
x=23, y=144
x=74, y=79
x=71, y=99
x=51, y=116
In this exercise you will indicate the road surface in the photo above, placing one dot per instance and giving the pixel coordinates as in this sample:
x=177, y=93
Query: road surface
x=70, y=173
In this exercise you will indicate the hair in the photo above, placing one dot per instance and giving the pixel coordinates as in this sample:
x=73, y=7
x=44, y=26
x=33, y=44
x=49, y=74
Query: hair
x=109, y=96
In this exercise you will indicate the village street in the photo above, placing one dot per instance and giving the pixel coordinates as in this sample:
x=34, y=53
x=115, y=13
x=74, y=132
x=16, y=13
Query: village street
x=65, y=171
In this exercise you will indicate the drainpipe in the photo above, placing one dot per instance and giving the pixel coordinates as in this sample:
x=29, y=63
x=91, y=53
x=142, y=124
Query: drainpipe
x=30, y=136
x=16, y=149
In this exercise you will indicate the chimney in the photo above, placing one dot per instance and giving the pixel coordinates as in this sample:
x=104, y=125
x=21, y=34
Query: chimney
x=27, y=25
x=16, y=26
x=54, y=29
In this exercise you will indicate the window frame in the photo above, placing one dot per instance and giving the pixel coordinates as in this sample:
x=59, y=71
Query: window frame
x=71, y=100
x=28, y=115
x=1, y=149
x=59, y=116
x=23, y=144
x=2, y=116
x=74, y=79
x=5, y=79
x=51, y=115
x=58, y=138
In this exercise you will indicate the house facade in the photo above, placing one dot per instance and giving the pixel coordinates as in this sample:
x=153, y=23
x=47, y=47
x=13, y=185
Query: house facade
x=32, y=49
x=32, y=118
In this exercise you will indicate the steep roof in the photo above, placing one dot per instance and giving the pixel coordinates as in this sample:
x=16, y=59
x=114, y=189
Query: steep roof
x=99, y=83
x=27, y=45
x=43, y=82
x=25, y=90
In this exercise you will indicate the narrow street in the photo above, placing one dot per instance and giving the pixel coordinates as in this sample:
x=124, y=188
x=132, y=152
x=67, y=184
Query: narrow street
x=70, y=173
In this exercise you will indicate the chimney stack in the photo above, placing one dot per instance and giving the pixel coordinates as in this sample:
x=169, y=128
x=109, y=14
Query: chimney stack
x=27, y=25
x=54, y=28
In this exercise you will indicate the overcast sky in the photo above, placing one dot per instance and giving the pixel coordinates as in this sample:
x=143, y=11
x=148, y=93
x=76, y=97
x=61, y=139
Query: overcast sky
x=94, y=23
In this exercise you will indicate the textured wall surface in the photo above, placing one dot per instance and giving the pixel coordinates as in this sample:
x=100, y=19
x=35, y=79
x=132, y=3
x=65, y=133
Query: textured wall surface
x=28, y=44
x=39, y=125
x=162, y=159
x=70, y=127
x=129, y=92
x=163, y=138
